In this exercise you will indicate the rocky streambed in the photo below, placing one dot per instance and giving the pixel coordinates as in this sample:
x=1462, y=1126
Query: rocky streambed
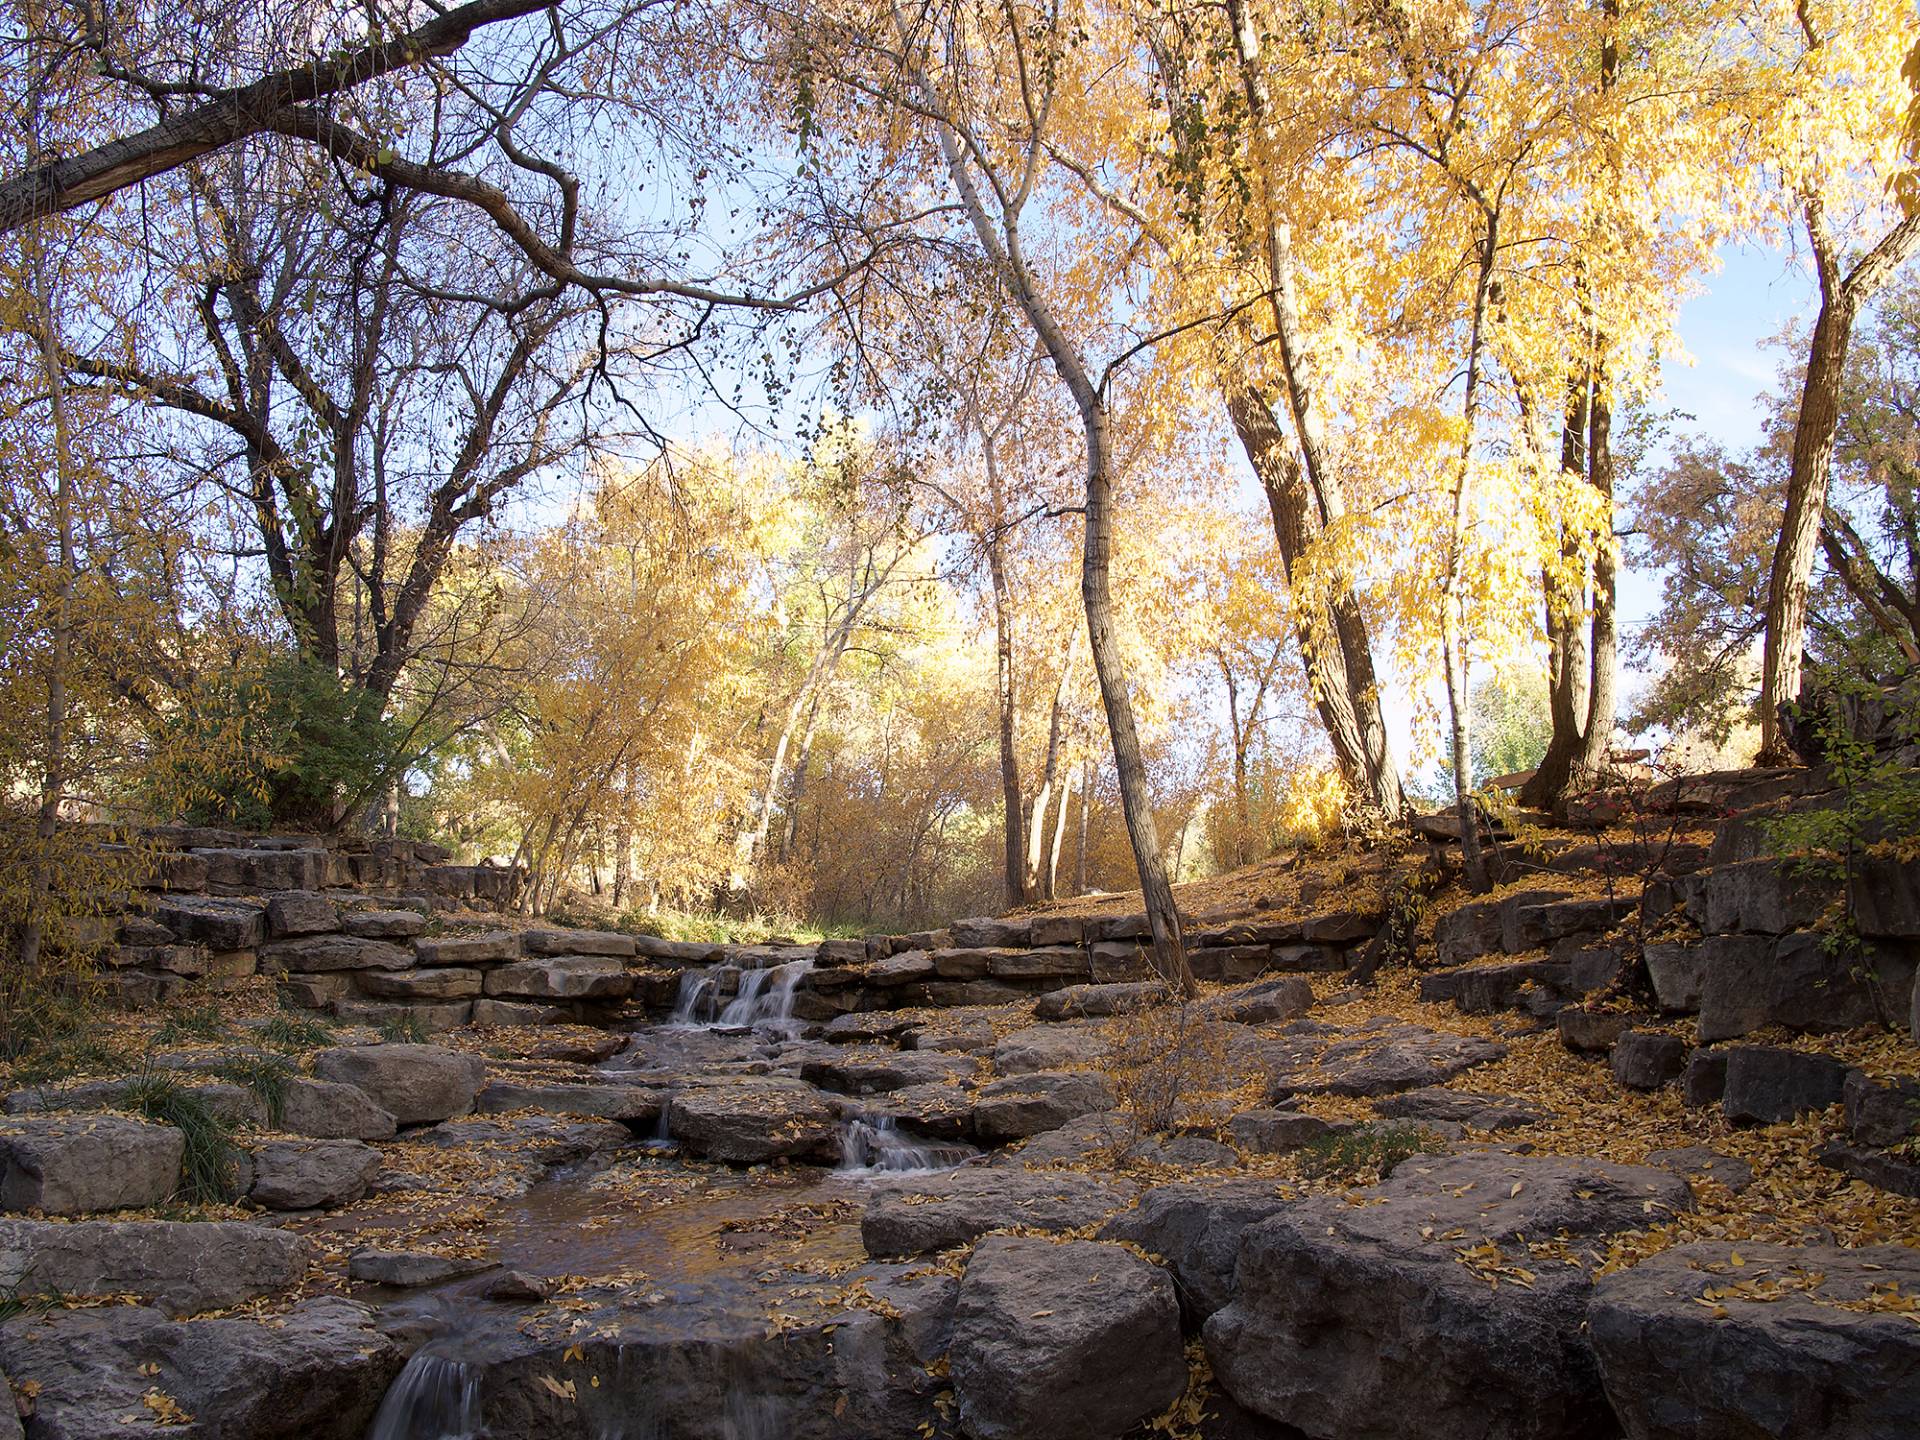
x=1071, y=1211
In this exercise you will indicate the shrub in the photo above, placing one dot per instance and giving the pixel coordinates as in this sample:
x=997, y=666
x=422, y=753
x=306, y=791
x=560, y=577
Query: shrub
x=208, y=1167
x=1367, y=1153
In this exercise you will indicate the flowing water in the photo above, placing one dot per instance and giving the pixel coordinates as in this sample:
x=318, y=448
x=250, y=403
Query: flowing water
x=434, y=1398
x=875, y=1145
x=763, y=998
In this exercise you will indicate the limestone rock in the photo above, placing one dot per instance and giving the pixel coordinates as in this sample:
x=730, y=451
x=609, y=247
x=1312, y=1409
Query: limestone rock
x=636, y=1104
x=1092, y=1001
x=187, y=1265
x=415, y=1084
x=563, y=977
x=473, y=949
x=1474, y=1109
x=1197, y=1227
x=1751, y=982
x=1023, y=1105
x=1589, y=1032
x=1389, y=1056
x=749, y=1124
x=450, y=983
x=1701, y=1163
x=1275, y=1132
x=1360, y=1320
x=383, y=924
x=74, y=1164
x=1111, y=1138
x=1647, y=1060
x=875, y=1071
x=920, y=1214
x=217, y=924
x=541, y=1139
x=329, y=1110
x=1056, y=1046
x=1883, y=1112
x=1079, y=1341
x=577, y=942
x=406, y=1269
x=1739, y=1369
x=1679, y=973
x=316, y=1372
x=301, y=912
x=311, y=1174
x=321, y=953
x=1285, y=997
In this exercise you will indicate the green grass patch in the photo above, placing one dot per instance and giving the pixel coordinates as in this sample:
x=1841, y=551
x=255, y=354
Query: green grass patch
x=198, y=1022
x=403, y=1030
x=1368, y=1152
x=709, y=928
x=207, y=1171
x=267, y=1076
x=289, y=1032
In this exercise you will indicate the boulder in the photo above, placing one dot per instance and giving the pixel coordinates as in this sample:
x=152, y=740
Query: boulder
x=1589, y=1032
x=1766, y=1085
x=217, y=924
x=1075, y=1341
x=1023, y=1105
x=1382, y=1319
x=874, y=1071
x=311, y=1174
x=563, y=977
x=636, y=1104
x=1796, y=981
x=1768, y=896
x=481, y=949
x=1120, y=998
x=1275, y=1132
x=1872, y=1167
x=416, y=1084
x=1230, y=963
x=1114, y=960
x=1050, y=1047
x=451, y=983
x=383, y=924
x=74, y=1164
x=490, y=1013
x=1882, y=1112
x=1389, y=1056
x=767, y=1118
x=1270, y=1002
x=406, y=1269
x=186, y=1265
x=1197, y=1227
x=907, y=968
x=1647, y=1060
x=1056, y=930
x=1474, y=1109
x=1691, y=1343
x=1341, y=927
x=1705, y=1082
x=919, y=1214
x=310, y=954
x=1679, y=975
x=427, y=1017
x=1533, y=927
x=988, y=932
x=328, y=1110
x=316, y=1372
x=577, y=942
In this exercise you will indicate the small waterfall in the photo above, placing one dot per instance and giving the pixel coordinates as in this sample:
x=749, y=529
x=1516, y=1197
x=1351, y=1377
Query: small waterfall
x=434, y=1398
x=766, y=996
x=873, y=1145
x=698, y=1000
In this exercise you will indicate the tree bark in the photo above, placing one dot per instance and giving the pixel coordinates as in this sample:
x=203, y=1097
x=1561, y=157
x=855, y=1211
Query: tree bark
x=1014, y=854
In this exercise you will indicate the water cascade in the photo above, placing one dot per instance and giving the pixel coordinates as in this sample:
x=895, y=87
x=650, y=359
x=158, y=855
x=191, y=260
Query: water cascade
x=873, y=1145
x=764, y=997
x=434, y=1398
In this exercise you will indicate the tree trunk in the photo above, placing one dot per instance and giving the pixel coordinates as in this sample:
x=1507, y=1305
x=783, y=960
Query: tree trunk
x=1603, y=654
x=1010, y=804
x=1059, y=834
x=1037, y=881
x=1080, y=851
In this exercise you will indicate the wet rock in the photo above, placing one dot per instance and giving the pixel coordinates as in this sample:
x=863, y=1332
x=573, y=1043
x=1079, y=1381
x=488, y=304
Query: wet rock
x=452, y=983
x=330, y=1110
x=186, y=1265
x=408, y=1269
x=1197, y=1228
x=1275, y=1132
x=73, y=1164
x=316, y=1372
x=940, y=1111
x=1765, y=1086
x=1079, y=1341
x=1589, y=1032
x=1734, y=1369
x=1475, y=1109
x=1700, y=1163
x=416, y=1084
x=562, y=977
x=1360, y=1320
x=311, y=1174
x=541, y=1139
x=516, y=1287
x=1882, y=1112
x=871, y=1072
x=1085, y=1001
x=383, y=924
x=1060, y=1046
x=1385, y=1057
x=1023, y=1105
x=920, y=1214
x=1283, y=998
x=1647, y=1060
x=636, y=1104
x=749, y=1124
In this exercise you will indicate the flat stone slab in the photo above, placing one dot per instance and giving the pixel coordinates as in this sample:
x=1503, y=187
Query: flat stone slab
x=451, y=982
x=577, y=942
x=1062, y=1046
x=1111, y=1137
x=921, y=1214
x=316, y=1372
x=1475, y=1109
x=563, y=977
x=330, y=1110
x=416, y=1084
x=1122, y=997
x=1197, y=1228
x=542, y=1139
x=1385, y=1058
x=476, y=949
x=749, y=1124
x=310, y=954
x=875, y=1071
x=1023, y=1105
x=1691, y=1344
x=185, y=1265
x=76, y=1164
x=1433, y=1269
x=311, y=1174
x=638, y=1104
x=406, y=1269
